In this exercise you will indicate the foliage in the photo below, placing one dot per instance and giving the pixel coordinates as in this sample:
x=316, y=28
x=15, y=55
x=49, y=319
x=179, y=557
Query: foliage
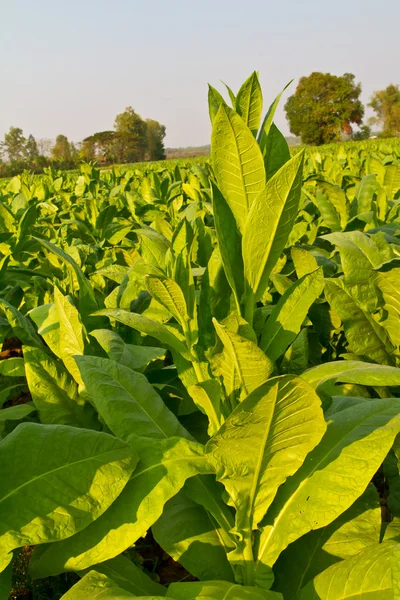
x=386, y=104
x=210, y=352
x=323, y=107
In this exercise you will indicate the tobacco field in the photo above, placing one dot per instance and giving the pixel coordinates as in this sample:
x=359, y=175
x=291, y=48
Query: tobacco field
x=200, y=369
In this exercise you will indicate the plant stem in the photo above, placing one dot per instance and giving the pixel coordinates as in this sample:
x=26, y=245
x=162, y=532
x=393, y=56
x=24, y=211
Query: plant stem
x=248, y=558
x=249, y=307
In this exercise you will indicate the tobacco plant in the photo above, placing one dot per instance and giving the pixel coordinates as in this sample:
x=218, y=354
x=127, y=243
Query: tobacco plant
x=215, y=357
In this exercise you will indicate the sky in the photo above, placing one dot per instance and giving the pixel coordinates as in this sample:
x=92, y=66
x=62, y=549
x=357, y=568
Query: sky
x=71, y=66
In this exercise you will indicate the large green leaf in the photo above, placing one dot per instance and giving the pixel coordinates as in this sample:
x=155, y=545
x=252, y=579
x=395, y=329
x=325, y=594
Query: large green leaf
x=229, y=242
x=21, y=326
x=85, y=471
x=389, y=284
x=164, y=467
x=249, y=103
x=237, y=162
x=98, y=586
x=353, y=371
x=163, y=333
x=356, y=529
x=269, y=223
x=242, y=365
x=126, y=401
x=286, y=319
x=130, y=577
x=366, y=337
x=279, y=422
x=373, y=574
x=72, y=334
x=87, y=299
x=134, y=357
x=332, y=477
x=276, y=152
x=53, y=391
x=188, y=533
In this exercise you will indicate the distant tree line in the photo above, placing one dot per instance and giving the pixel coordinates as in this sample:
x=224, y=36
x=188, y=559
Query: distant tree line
x=324, y=107
x=132, y=140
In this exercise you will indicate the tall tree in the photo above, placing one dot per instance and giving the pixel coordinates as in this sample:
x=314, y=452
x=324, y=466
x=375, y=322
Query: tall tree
x=99, y=146
x=130, y=142
x=323, y=107
x=31, y=149
x=62, y=149
x=14, y=144
x=155, y=134
x=386, y=104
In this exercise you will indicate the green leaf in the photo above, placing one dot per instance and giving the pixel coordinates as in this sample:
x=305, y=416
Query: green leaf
x=72, y=334
x=154, y=247
x=134, y=357
x=207, y=397
x=130, y=577
x=54, y=392
x=269, y=223
x=356, y=529
x=214, y=102
x=237, y=163
x=374, y=573
x=15, y=413
x=276, y=151
x=389, y=284
x=332, y=477
x=168, y=293
x=262, y=443
x=12, y=367
x=188, y=533
x=359, y=255
x=337, y=198
x=243, y=364
x=287, y=317
x=126, y=401
x=366, y=337
x=85, y=470
x=5, y=583
x=249, y=103
x=95, y=585
x=365, y=193
x=163, y=333
x=218, y=590
x=229, y=243
x=87, y=299
x=164, y=467
x=304, y=262
x=21, y=326
x=353, y=371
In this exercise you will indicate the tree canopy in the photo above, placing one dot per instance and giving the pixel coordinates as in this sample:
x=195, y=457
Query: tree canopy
x=386, y=104
x=323, y=107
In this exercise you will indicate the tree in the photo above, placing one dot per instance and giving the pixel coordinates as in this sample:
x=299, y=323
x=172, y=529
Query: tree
x=363, y=134
x=130, y=139
x=14, y=144
x=31, y=149
x=99, y=146
x=62, y=149
x=155, y=134
x=323, y=107
x=386, y=104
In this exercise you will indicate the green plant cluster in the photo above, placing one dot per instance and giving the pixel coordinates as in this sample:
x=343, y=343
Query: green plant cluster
x=210, y=352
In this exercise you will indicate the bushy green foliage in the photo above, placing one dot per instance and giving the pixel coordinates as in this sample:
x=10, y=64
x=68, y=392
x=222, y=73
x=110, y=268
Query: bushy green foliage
x=210, y=351
x=323, y=107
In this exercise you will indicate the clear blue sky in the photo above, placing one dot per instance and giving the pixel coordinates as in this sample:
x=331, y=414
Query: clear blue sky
x=70, y=67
